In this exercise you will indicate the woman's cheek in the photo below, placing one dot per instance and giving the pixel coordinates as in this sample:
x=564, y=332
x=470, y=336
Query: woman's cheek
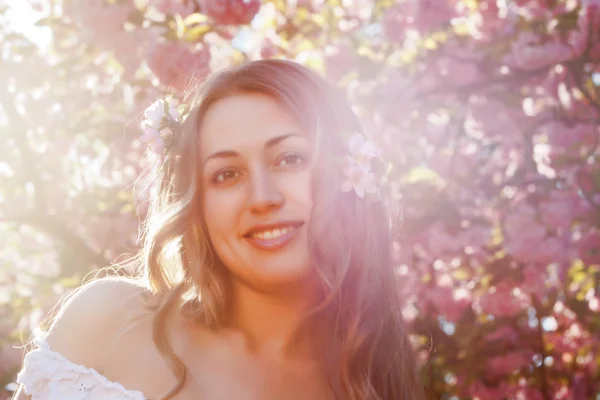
x=220, y=209
x=297, y=188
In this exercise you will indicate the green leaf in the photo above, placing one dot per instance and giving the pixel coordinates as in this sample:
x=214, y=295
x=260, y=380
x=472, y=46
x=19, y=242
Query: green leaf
x=195, y=18
x=47, y=21
x=461, y=274
x=280, y=5
x=196, y=34
x=420, y=174
x=179, y=26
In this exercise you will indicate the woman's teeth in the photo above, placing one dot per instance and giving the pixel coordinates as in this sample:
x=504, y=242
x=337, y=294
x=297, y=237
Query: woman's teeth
x=272, y=234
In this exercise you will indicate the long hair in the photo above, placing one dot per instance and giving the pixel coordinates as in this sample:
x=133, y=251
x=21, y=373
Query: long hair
x=350, y=240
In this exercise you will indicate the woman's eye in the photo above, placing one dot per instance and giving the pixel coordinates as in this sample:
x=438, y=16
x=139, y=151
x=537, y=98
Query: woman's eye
x=292, y=159
x=224, y=176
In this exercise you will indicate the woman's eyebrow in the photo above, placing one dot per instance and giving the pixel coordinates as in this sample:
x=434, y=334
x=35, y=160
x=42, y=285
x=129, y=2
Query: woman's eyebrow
x=270, y=143
x=277, y=139
x=222, y=154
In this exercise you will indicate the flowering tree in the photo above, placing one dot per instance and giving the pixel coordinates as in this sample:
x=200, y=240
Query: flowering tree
x=489, y=111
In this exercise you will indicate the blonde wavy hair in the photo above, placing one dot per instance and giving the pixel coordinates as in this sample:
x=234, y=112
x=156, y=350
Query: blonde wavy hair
x=350, y=242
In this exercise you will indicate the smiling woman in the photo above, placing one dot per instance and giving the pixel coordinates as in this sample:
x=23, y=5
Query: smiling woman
x=257, y=190
x=281, y=284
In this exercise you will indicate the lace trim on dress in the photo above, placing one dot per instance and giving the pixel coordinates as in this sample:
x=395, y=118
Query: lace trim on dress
x=48, y=375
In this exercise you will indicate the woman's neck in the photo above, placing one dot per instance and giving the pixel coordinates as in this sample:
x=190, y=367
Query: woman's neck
x=273, y=324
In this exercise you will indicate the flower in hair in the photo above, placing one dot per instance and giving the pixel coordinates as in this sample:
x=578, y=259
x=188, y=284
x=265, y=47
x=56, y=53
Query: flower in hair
x=357, y=167
x=362, y=150
x=361, y=179
x=159, y=121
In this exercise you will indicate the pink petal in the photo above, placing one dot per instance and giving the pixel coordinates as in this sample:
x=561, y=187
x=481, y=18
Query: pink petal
x=359, y=191
x=347, y=186
x=355, y=142
x=370, y=149
x=150, y=135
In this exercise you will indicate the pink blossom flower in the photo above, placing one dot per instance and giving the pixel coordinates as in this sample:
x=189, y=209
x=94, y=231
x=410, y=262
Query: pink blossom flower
x=457, y=72
x=528, y=393
x=154, y=139
x=181, y=7
x=529, y=53
x=535, y=278
x=568, y=341
x=100, y=23
x=491, y=118
x=564, y=393
x=507, y=363
x=534, y=250
x=432, y=14
x=268, y=49
x=502, y=301
x=448, y=302
x=396, y=21
x=585, y=36
x=563, y=138
x=39, y=6
x=131, y=48
x=492, y=21
x=175, y=63
x=155, y=114
x=504, y=333
x=554, y=249
x=230, y=12
x=534, y=9
x=527, y=240
x=360, y=179
x=442, y=243
x=337, y=60
x=522, y=231
x=559, y=209
x=583, y=177
x=594, y=304
x=481, y=391
x=154, y=125
x=362, y=150
x=421, y=15
x=476, y=235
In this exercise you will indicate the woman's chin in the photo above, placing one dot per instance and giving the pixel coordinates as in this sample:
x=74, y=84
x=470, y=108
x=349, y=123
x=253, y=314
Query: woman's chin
x=280, y=277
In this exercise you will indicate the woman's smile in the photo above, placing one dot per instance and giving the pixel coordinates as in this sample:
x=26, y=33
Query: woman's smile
x=273, y=236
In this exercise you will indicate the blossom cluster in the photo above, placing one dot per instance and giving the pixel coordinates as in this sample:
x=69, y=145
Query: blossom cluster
x=357, y=167
x=488, y=109
x=160, y=121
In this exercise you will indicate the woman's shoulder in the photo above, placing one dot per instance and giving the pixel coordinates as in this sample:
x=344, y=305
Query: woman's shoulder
x=68, y=359
x=93, y=316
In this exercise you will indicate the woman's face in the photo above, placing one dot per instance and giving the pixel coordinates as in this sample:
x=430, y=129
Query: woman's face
x=255, y=165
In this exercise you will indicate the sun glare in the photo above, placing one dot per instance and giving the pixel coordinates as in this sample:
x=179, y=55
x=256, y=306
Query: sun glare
x=22, y=18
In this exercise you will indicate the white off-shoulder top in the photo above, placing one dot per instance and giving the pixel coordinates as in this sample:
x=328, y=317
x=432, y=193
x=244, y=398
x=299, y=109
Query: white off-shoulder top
x=48, y=375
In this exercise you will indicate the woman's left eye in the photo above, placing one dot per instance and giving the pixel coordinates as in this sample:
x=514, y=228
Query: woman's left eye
x=291, y=159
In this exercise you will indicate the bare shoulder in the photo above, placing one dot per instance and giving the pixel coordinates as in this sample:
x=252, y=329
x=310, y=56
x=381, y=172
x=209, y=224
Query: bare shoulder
x=90, y=319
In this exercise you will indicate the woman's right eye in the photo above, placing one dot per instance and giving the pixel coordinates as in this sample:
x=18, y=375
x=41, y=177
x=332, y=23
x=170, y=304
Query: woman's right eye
x=224, y=176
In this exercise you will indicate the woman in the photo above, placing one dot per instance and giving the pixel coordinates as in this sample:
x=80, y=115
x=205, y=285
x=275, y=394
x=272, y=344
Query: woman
x=268, y=269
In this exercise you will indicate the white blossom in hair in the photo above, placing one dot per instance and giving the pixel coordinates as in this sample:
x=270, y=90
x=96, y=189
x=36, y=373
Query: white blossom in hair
x=158, y=124
x=357, y=168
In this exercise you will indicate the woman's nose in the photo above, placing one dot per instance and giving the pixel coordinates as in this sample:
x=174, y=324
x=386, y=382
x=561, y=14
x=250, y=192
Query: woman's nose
x=264, y=194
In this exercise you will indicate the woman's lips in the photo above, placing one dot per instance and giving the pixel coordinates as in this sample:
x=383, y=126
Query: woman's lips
x=267, y=241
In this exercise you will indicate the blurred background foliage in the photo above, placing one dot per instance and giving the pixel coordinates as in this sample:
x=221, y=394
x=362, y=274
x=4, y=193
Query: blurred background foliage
x=489, y=110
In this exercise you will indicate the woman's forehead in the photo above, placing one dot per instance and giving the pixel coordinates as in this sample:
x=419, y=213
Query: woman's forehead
x=245, y=120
